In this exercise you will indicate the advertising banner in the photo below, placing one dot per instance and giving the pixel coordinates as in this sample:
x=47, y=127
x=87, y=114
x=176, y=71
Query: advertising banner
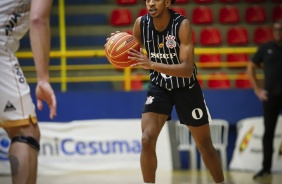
x=247, y=154
x=91, y=145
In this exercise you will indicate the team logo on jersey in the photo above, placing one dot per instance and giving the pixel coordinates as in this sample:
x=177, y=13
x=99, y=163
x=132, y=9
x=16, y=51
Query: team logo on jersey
x=170, y=41
x=149, y=100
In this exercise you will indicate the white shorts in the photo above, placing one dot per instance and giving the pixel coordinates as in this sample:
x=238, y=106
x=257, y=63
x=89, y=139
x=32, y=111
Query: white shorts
x=16, y=106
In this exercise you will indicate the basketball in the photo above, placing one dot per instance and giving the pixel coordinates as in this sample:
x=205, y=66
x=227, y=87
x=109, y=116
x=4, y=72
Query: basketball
x=117, y=47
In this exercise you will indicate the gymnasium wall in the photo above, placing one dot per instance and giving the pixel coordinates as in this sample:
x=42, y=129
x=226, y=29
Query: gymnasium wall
x=231, y=105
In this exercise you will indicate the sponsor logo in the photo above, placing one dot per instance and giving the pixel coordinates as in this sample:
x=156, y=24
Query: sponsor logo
x=72, y=147
x=190, y=87
x=246, y=140
x=161, y=45
x=4, y=146
x=162, y=55
x=9, y=107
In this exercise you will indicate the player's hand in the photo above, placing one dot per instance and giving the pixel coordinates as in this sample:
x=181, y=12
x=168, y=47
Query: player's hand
x=112, y=35
x=44, y=92
x=262, y=94
x=140, y=57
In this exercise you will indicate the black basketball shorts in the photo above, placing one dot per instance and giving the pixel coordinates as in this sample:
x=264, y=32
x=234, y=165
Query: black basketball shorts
x=189, y=103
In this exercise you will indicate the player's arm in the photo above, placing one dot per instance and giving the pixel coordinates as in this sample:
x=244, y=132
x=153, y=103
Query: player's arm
x=40, y=46
x=186, y=56
x=137, y=32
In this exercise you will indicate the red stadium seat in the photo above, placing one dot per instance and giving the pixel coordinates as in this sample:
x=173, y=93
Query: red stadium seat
x=210, y=36
x=210, y=60
x=263, y=34
x=237, y=60
x=229, y=1
x=277, y=13
x=142, y=12
x=179, y=10
x=121, y=17
x=136, y=83
x=255, y=14
x=237, y=36
x=255, y=1
x=126, y=2
x=202, y=15
x=181, y=1
x=219, y=80
x=242, y=81
x=229, y=14
x=203, y=1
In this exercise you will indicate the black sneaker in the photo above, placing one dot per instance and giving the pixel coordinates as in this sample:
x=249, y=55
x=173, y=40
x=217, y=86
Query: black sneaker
x=261, y=174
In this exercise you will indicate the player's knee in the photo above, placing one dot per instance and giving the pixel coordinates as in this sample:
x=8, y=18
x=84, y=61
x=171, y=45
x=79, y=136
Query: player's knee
x=32, y=142
x=148, y=140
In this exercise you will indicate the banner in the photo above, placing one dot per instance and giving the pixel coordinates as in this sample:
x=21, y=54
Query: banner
x=247, y=154
x=91, y=145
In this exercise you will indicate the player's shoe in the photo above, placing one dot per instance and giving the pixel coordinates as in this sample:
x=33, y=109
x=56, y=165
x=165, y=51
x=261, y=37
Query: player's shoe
x=261, y=174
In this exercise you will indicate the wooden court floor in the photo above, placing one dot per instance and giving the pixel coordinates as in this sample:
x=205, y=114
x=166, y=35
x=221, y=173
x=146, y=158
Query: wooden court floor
x=163, y=177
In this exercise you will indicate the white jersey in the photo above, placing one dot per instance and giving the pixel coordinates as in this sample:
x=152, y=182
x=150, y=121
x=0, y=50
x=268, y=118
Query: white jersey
x=16, y=106
x=14, y=23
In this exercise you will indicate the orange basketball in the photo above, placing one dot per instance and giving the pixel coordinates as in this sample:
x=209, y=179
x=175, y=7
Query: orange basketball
x=117, y=47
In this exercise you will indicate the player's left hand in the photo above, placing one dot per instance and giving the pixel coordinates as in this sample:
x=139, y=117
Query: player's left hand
x=140, y=57
x=44, y=92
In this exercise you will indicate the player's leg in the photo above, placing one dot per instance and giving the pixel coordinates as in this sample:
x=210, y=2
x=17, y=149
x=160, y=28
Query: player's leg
x=23, y=153
x=192, y=111
x=209, y=154
x=152, y=124
x=19, y=120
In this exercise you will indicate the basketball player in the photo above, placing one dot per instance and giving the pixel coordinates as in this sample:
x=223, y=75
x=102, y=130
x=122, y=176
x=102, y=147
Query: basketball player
x=166, y=35
x=17, y=112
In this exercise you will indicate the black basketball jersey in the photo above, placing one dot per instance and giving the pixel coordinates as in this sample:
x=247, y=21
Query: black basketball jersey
x=163, y=47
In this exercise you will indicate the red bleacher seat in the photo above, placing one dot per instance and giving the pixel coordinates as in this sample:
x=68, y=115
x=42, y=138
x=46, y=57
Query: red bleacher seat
x=229, y=14
x=179, y=10
x=229, y=1
x=242, y=81
x=136, y=83
x=203, y=1
x=255, y=14
x=277, y=13
x=237, y=36
x=181, y=1
x=142, y=12
x=210, y=36
x=219, y=80
x=237, y=60
x=255, y=1
x=126, y=2
x=263, y=34
x=202, y=15
x=121, y=17
x=210, y=60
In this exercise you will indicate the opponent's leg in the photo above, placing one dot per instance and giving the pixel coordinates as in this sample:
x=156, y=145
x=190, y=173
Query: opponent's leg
x=152, y=124
x=23, y=153
x=209, y=154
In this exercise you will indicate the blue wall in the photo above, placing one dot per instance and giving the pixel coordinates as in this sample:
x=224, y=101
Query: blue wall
x=232, y=105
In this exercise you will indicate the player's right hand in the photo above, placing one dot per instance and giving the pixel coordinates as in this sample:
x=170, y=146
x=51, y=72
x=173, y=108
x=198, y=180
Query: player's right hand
x=262, y=94
x=112, y=35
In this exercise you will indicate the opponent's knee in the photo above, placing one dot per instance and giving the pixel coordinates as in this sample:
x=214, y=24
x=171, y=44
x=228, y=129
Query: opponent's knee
x=28, y=140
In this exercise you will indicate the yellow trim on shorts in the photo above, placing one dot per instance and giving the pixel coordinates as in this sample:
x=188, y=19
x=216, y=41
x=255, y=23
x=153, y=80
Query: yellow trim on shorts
x=21, y=122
